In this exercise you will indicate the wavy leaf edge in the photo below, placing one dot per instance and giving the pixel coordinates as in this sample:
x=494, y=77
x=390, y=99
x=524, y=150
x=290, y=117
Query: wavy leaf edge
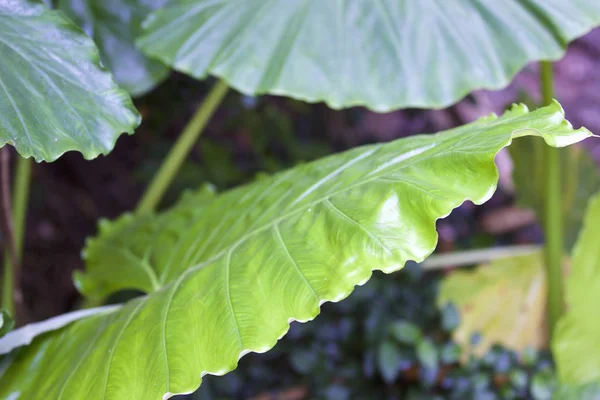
x=572, y=137
x=515, y=134
x=117, y=95
x=237, y=81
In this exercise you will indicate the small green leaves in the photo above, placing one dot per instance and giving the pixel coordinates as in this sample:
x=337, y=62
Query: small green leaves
x=406, y=332
x=389, y=358
x=385, y=54
x=303, y=360
x=450, y=317
x=450, y=353
x=427, y=354
x=54, y=95
x=543, y=385
x=225, y=274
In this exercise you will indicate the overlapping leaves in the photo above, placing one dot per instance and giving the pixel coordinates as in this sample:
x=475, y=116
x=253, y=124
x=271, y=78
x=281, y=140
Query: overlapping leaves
x=225, y=274
x=54, y=95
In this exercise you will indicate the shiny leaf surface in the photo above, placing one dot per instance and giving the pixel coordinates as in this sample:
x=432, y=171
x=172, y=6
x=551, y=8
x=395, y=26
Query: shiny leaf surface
x=114, y=25
x=383, y=54
x=54, y=95
x=226, y=274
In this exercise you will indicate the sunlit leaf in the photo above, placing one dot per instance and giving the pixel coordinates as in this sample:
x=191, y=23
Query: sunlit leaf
x=54, y=96
x=226, y=274
x=383, y=54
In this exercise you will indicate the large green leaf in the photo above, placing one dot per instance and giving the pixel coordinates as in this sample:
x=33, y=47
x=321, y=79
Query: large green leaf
x=576, y=341
x=54, y=95
x=114, y=25
x=226, y=274
x=384, y=54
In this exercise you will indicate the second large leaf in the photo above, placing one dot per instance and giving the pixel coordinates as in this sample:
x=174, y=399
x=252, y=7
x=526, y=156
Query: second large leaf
x=384, y=54
x=54, y=94
x=225, y=274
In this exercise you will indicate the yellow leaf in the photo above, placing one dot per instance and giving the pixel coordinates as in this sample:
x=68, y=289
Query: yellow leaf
x=504, y=301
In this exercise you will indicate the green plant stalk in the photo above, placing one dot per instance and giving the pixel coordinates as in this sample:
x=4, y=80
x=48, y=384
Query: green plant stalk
x=172, y=163
x=20, y=201
x=553, y=213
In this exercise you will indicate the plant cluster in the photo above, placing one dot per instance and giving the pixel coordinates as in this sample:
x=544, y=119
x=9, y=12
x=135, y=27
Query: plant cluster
x=223, y=274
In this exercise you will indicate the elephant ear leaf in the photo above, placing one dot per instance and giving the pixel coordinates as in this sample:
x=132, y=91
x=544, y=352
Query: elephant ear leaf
x=225, y=274
x=383, y=54
x=54, y=94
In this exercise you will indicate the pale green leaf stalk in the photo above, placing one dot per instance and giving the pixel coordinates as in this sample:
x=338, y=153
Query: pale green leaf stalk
x=20, y=201
x=553, y=227
x=185, y=142
x=225, y=274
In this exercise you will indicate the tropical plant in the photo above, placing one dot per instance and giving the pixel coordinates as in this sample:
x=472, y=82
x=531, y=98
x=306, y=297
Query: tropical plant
x=224, y=274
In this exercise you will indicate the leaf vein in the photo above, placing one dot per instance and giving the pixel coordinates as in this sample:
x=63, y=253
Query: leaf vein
x=284, y=247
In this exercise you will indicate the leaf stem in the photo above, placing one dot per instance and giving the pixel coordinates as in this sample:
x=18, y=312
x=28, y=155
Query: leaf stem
x=553, y=226
x=170, y=166
x=474, y=257
x=7, y=212
x=11, y=292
